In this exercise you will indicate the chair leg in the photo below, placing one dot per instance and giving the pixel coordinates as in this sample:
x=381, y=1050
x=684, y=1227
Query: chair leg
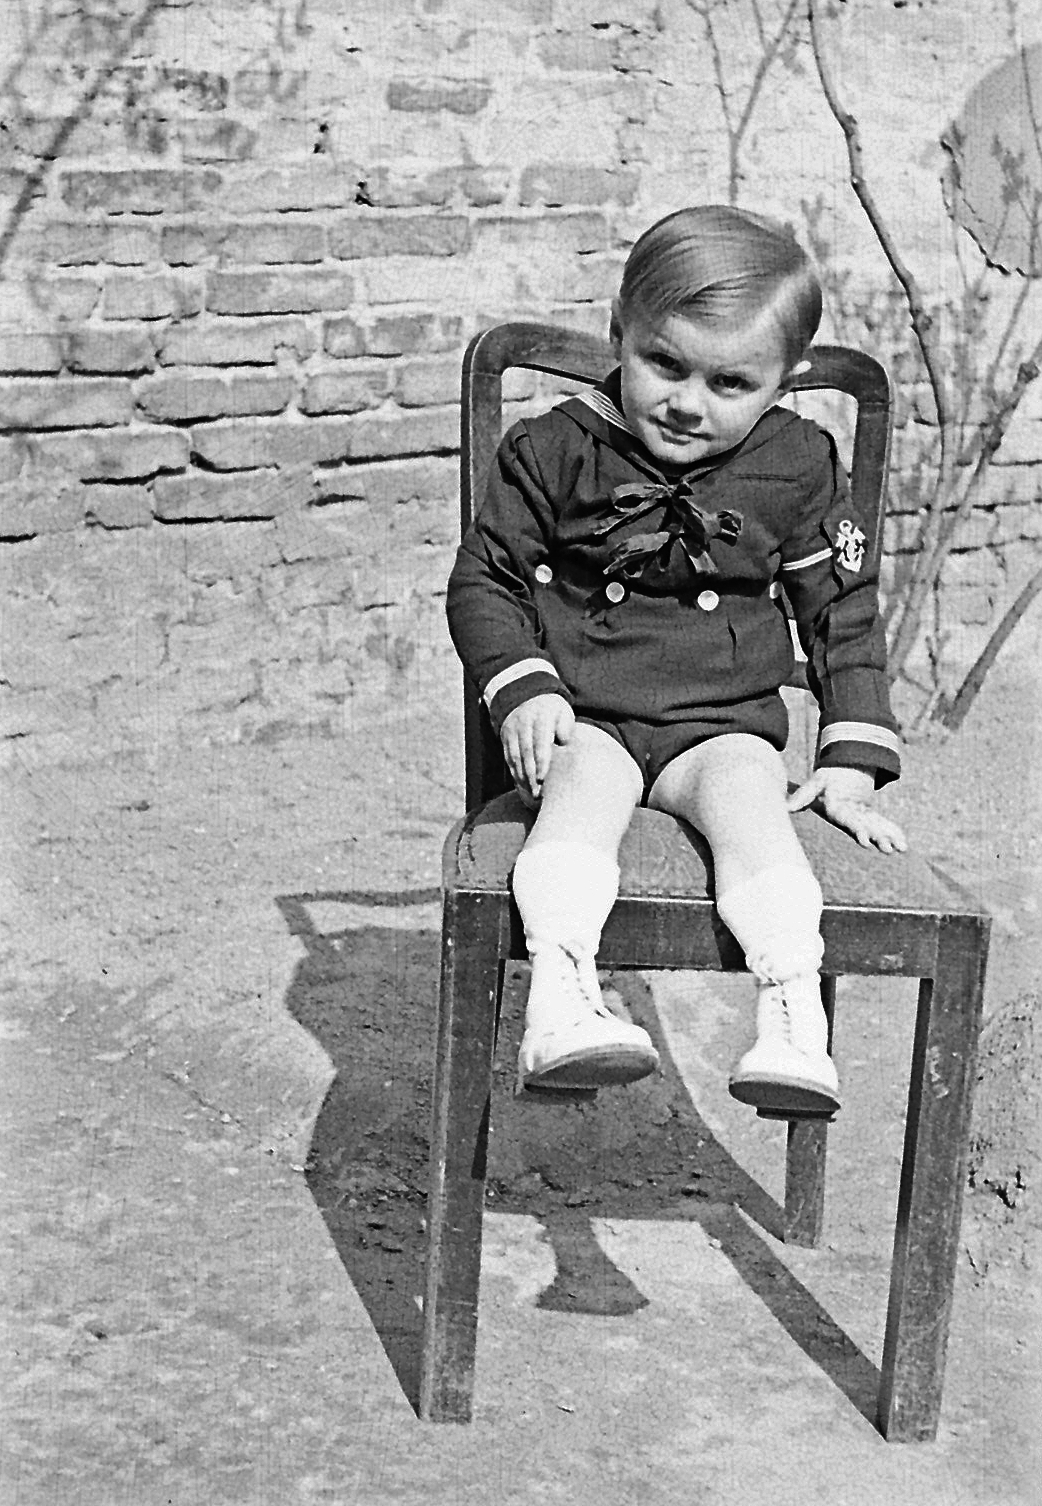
x=933, y=1174
x=805, y=1161
x=471, y=975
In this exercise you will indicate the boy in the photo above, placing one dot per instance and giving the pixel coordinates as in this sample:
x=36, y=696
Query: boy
x=617, y=603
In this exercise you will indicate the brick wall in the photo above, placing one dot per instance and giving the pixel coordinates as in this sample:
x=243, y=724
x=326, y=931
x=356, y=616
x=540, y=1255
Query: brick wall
x=242, y=246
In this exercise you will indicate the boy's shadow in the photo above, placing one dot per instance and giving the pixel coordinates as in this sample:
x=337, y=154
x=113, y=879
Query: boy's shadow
x=369, y=995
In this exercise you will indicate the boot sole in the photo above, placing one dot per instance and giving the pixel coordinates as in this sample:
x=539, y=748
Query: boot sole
x=784, y=1097
x=599, y=1067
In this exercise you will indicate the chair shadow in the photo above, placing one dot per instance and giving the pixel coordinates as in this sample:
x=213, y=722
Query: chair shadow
x=368, y=996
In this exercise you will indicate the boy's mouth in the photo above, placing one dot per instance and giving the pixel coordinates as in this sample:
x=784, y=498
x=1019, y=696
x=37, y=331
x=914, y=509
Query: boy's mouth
x=674, y=435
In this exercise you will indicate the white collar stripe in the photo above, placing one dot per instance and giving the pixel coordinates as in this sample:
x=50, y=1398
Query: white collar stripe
x=605, y=408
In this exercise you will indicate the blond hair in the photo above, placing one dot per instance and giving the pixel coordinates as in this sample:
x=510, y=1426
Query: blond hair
x=725, y=266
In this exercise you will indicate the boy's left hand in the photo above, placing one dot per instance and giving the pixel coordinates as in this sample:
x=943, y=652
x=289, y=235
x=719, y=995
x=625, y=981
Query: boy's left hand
x=843, y=795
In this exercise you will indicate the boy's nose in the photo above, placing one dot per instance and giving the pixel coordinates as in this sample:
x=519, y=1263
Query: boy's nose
x=689, y=399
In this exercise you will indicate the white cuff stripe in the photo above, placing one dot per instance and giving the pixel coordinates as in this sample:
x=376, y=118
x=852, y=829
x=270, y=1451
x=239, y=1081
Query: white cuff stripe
x=810, y=559
x=860, y=732
x=516, y=672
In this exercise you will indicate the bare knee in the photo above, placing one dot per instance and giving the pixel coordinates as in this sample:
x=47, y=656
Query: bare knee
x=590, y=792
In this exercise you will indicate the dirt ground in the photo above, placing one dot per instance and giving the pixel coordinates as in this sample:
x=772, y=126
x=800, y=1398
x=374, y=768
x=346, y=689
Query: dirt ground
x=219, y=996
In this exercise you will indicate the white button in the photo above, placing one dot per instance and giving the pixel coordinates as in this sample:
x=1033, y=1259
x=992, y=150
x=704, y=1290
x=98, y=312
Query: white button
x=543, y=574
x=615, y=591
x=708, y=601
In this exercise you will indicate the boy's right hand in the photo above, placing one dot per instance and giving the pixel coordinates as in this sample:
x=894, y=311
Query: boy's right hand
x=528, y=735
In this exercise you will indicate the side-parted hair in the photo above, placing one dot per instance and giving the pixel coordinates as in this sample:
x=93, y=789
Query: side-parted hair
x=726, y=266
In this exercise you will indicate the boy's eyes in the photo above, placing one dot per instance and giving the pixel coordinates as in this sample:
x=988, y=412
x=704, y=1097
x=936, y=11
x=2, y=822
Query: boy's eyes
x=724, y=381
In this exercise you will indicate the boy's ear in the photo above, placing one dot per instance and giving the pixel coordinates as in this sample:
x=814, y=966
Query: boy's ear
x=615, y=328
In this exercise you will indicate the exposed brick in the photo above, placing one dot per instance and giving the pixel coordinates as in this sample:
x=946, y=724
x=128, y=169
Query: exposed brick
x=160, y=296
x=587, y=279
x=46, y=303
x=424, y=384
x=178, y=399
x=118, y=506
x=424, y=279
x=345, y=391
x=273, y=242
x=94, y=350
x=71, y=244
x=29, y=354
x=1018, y=522
x=278, y=292
x=278, y=442
x=220, y=552
x=187, y=244
x=255, y=87
x=414, y=433
x=555, y=184
x=404, y=187
x=550, y=236
x=261, y=494
x=480, y=186
x=343, y=337
x=27, y=404
x=140, y=190
x=400, y=481
x=39, y=508
x=113, y=455
x=300, y=537
x=303, y=584
x=227, y=342
x=366, y=234
x=314, y=184
x=460, y=97
x=401, y=334
x=208, y=140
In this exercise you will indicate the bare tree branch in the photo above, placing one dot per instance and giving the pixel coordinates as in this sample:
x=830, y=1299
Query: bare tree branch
x=770, y=47
x=951, y=713
x=924, y=330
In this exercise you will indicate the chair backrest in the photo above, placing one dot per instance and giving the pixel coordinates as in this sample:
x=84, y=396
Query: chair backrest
x=578, y=357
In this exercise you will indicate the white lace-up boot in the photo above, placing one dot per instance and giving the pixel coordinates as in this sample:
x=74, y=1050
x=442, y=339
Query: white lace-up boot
x=775, y=917
x=564, y=892
x=788, y=1071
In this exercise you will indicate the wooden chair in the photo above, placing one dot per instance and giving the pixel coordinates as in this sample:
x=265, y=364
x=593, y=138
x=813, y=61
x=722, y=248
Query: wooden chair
x=894, y=916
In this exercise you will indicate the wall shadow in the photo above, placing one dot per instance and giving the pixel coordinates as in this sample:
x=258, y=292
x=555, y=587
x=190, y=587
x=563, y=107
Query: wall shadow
x=368, y=995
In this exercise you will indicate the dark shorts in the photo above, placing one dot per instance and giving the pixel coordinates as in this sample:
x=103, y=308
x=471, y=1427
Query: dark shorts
x=654, y=745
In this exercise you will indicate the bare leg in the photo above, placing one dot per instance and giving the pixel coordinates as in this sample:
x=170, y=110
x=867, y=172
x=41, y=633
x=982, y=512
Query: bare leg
x=733, y=789
x=565, y=883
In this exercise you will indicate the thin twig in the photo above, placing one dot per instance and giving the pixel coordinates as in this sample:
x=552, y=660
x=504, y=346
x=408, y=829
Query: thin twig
x=923, y=328
x=952, y=713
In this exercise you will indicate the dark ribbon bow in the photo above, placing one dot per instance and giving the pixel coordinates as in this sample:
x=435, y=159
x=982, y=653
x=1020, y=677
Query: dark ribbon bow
x=683, y=519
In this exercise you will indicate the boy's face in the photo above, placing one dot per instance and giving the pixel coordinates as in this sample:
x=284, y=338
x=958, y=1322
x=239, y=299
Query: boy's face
x=691, y=390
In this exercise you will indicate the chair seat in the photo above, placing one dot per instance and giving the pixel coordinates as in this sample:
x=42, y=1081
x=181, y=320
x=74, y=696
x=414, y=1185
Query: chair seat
x=664, y=858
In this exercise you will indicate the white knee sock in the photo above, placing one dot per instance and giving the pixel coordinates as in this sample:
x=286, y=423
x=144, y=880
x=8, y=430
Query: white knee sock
x=564, y=893
x=776, y=919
